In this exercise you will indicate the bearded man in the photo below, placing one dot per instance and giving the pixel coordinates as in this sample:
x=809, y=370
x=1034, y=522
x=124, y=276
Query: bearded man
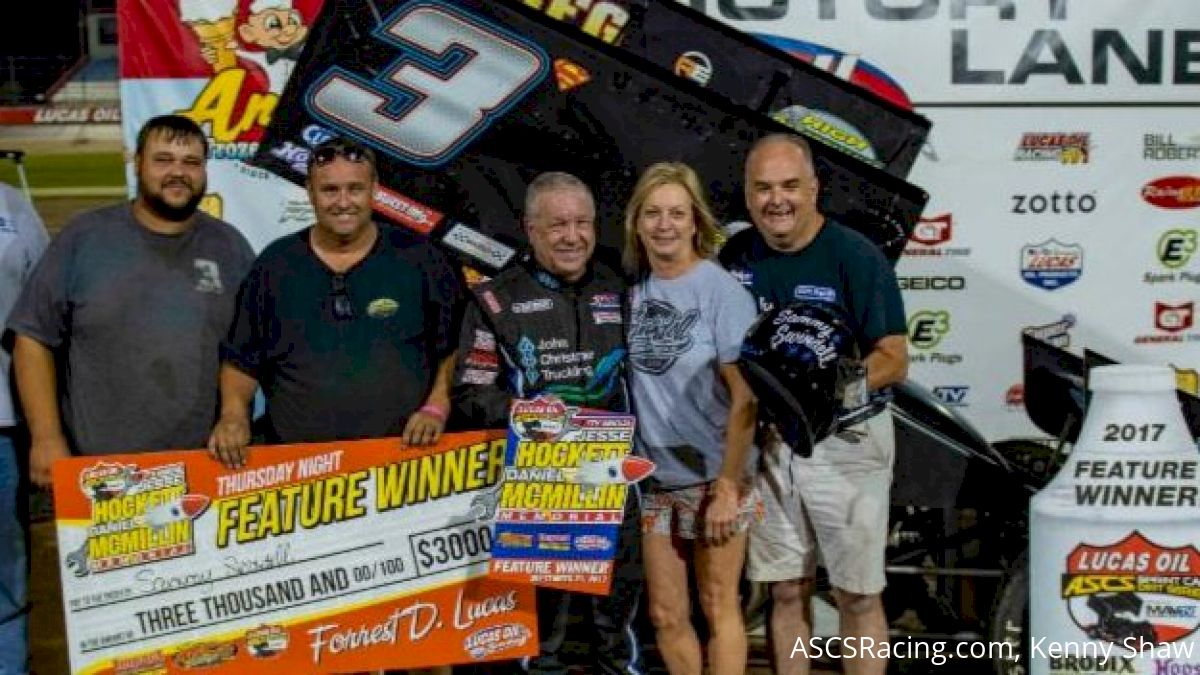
x=117, y=331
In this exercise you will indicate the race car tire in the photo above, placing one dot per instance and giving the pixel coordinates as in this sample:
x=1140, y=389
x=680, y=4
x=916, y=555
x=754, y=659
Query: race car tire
x=1010, y=621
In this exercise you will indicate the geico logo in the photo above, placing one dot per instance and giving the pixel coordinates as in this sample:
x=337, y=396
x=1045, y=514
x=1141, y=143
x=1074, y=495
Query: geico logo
x=1054, y=203
x=1087, y=584
x=932, y=283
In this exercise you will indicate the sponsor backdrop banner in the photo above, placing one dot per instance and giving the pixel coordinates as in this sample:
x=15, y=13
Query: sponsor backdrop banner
x=1063, y=169
x=1063, y=165
x=566, y=478
x=314, y=558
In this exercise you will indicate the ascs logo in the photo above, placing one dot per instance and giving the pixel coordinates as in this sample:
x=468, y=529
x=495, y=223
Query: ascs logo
x=849, y=67
x=1051, y=264
x=930, y=236
x=926, y=328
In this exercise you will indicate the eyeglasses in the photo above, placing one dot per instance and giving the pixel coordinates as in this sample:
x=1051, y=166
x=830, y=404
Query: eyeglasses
x=328, y=153
x=343, y=307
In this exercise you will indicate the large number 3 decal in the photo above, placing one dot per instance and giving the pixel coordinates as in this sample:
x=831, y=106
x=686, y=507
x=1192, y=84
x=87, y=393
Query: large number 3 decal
x=456, y=76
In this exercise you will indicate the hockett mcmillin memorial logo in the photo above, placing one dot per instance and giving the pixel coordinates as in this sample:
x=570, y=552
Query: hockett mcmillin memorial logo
x=1133, y=593
x=137, y=516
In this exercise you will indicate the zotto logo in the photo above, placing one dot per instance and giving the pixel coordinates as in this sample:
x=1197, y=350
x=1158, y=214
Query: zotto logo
x=1055, y=202
x=1175, y=247
x=926, y=328
x=1173, y=192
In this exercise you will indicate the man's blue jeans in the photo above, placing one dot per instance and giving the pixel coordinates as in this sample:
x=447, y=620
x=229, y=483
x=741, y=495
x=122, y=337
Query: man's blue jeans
x=14, y=570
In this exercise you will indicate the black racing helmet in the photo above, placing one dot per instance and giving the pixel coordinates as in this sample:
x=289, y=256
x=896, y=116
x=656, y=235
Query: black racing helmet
x=799, y=360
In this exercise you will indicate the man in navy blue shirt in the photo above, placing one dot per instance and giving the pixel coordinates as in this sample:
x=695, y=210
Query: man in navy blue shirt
x=837, y=499
x=348, y=326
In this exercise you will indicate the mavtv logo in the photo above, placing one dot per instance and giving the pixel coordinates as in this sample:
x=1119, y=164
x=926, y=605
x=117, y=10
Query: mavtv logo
x=954, y=396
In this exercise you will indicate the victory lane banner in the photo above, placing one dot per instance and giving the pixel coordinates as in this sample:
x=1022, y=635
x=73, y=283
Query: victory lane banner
x=329, y=557
x=567, y=473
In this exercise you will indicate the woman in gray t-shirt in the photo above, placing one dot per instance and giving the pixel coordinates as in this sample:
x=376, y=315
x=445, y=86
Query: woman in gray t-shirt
x=695, y=417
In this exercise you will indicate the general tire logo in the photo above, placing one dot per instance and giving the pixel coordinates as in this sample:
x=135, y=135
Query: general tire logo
x=1174, y=318
x=933, y=231
x=1133, y=593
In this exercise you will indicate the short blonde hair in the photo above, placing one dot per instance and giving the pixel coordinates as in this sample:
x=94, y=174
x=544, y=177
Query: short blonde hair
x=655, y=176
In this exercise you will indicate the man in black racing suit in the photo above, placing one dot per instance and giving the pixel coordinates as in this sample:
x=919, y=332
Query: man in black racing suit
x=553, y=323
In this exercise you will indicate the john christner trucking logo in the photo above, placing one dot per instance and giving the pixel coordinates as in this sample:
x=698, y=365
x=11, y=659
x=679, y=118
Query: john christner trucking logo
x=138, y=516
x=1133, y=593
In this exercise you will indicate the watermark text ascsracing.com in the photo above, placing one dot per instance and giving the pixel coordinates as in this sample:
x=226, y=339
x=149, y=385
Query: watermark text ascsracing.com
x=937, y=652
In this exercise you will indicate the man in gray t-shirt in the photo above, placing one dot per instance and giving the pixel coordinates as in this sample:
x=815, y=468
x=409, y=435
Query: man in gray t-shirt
x=117, y=330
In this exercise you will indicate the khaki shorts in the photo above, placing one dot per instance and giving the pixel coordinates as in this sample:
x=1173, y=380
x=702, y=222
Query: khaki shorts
x=680, y=512
x=833, y=505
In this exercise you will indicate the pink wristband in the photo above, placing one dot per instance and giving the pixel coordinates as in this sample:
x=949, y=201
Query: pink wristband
x=434, y=411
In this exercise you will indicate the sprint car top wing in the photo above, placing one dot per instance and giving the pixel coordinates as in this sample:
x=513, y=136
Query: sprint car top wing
x=466, y=101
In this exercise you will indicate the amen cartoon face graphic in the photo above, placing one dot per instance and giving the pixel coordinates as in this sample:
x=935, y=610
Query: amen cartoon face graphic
x=659, y=335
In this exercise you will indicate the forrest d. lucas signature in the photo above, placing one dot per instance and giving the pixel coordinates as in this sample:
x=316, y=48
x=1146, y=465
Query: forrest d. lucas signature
x=419, y=617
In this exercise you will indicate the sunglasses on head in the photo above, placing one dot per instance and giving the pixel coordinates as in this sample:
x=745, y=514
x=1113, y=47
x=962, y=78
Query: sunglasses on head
x=343, y=307
x=328, y=153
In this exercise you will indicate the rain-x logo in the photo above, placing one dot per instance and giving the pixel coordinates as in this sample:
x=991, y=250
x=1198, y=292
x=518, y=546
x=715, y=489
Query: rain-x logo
x=926, y=330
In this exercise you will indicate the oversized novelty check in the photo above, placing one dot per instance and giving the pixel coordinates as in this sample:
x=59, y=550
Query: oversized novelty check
x=567, y=473
x=314, y=558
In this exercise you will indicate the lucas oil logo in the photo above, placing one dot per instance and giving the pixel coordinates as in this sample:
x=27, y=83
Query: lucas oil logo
x=138, y=516
x=1134, y=593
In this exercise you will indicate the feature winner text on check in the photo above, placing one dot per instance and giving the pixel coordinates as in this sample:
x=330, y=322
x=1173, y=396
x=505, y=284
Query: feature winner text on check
x=330, y=557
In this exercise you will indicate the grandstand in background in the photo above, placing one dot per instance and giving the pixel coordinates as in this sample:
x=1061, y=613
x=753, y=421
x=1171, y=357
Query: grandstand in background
x=70, y=66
